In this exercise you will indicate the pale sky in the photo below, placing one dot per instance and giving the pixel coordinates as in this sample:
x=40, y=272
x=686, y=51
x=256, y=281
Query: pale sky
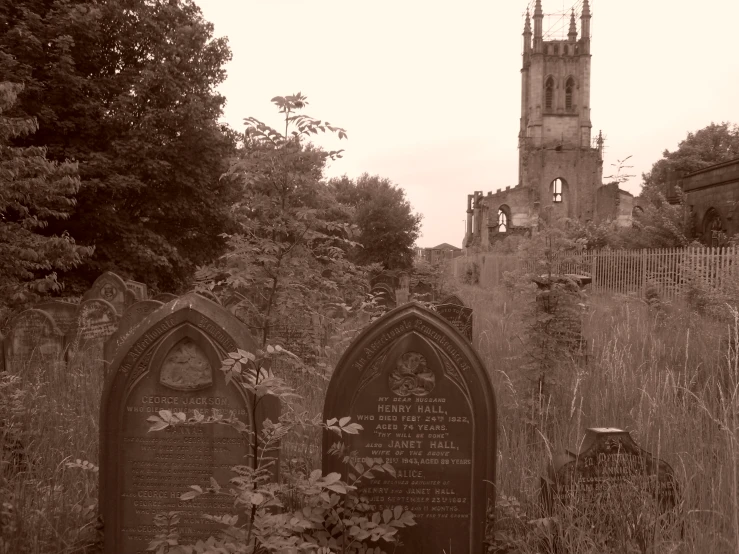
x=429, y=92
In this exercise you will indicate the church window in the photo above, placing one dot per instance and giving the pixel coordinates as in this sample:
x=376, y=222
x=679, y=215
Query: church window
x=549, y=93
x=557, y=190
x=569, y=90
x=502, y=219
x=556, y=49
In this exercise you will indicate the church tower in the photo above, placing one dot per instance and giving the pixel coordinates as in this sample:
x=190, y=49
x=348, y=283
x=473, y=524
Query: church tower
x=556, y=161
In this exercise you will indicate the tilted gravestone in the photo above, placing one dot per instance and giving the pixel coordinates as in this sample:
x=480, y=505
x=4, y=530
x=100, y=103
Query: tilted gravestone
x=139, y=290
x=172, y=362
x=427, y=406
x=111, y=288
x=459, y=315
x=33, y=338
x=608, y=461
x=128, y=322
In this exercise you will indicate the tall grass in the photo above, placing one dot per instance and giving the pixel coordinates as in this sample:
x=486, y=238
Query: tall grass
x=668, y=375
x=49, y=412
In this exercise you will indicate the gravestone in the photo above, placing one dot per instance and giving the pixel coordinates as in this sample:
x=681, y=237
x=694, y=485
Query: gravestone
x=111, y=288
x=172, y=362
x=97, y=320
x=422, y=291
x=453, y=299
x=33, y=338
x=457, y=314
x=427, y=406
x=64, y=314
x=209, y=295
x=165, y=297
x=608, y=458
x=139, y=290
x=128, y=322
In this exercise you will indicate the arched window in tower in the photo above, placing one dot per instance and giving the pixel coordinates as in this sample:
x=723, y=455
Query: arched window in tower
x=549, y=93
x=557, y=190
x=569, y=91
x=503, y=219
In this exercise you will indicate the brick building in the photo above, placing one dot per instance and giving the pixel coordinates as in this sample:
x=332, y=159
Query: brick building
x=560, y=168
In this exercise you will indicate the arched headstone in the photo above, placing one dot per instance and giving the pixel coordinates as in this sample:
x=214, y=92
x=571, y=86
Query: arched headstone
x=172, y=362
x=33, y=336
x=111, y=288
x=64, y=314
x=427, y=406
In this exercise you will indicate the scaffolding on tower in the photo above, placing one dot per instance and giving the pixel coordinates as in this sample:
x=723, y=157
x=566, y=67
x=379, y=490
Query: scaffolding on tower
x=556, y=24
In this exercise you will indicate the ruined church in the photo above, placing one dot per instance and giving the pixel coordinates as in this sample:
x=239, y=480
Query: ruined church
x=560, y=164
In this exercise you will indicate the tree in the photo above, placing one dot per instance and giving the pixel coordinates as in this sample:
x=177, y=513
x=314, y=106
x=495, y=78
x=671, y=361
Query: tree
x=126, y=89
x=288, y=251
x=33, y=192
x=388, y=228
x=711, y=145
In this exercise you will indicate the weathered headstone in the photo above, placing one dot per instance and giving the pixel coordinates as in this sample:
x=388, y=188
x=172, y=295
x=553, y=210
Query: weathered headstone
x=608, y=458
x=111, y=288
x=427, y=406
x=64, y=314
x=165, y=297
x=140, y=290
x=458, y=315
x=97, y=320
x=128, y=322
x=171, y=362
x=33, y=336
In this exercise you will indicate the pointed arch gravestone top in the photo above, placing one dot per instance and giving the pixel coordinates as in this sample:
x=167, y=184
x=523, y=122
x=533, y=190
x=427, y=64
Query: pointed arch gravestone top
x=171, y=362
x=128, y=322
x=111, y=288
x=427, y=406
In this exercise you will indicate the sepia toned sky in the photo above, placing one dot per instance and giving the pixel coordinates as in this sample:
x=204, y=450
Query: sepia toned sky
x=429, y=92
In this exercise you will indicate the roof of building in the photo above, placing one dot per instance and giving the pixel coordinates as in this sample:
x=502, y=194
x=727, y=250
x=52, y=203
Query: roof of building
x=445, y=246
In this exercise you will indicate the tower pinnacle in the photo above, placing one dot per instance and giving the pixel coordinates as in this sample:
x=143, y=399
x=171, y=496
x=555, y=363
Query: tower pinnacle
x=538, y=20
x=572, y=35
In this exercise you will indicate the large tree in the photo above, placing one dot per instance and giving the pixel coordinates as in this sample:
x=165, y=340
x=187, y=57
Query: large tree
x=388, y=228
x=33, y=192
x=711, y=145
x=127, y=89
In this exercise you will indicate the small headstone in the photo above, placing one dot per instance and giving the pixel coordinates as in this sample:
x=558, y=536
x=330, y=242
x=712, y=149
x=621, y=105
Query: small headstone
x=111, y=288
x=608, y=458
x=165, y=297
x=422, y=291
x=453, y=299
x=140, y=290
x=459, y=316
x=172, y=362
x=128, y=322
x=427, y=406
x=32, y=337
